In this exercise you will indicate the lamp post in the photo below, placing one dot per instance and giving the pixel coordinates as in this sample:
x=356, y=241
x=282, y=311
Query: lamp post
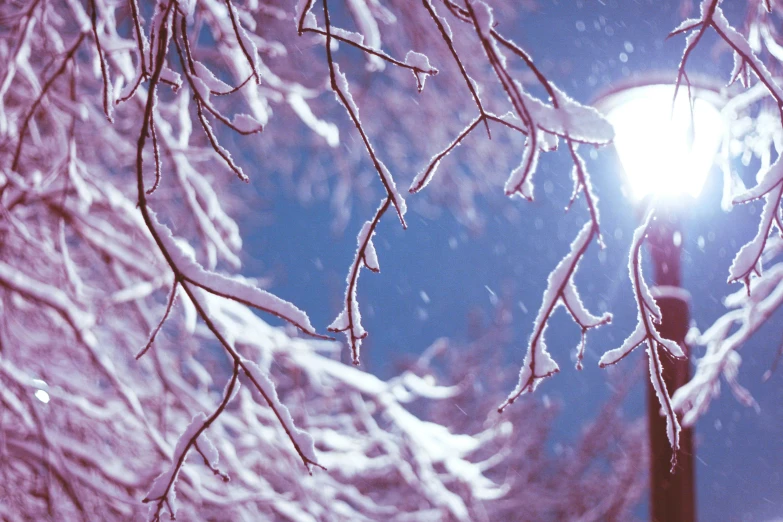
x=666, y=147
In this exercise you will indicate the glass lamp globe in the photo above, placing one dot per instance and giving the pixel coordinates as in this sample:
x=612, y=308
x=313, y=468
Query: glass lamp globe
x=666, y=145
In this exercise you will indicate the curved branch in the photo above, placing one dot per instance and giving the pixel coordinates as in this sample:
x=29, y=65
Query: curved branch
x=349, y=319
x=645, y=333
x=560, y=291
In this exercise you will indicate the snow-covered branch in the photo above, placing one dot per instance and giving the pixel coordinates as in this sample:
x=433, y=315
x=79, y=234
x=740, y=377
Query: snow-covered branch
x=162, y=491
x=560, y=291
x=755, y=130
x=349, y=319
x=340, y=86
x=124, y=329
x=748, y=259
x=649, y=314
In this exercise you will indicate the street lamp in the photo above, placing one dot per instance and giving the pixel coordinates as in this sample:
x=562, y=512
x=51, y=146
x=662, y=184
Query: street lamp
x=666, y=146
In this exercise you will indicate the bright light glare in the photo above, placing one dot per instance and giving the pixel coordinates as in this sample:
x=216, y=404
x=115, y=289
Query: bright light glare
x=42, y=396
x=664, y=151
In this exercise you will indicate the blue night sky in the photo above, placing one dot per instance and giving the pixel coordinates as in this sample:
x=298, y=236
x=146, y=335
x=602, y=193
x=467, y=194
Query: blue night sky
x=437, y=272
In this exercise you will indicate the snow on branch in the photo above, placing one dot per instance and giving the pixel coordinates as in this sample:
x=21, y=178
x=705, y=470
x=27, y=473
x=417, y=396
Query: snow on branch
x=81, y=241
x=162, y=492
x=445, y=31
x=243, y=124
x=244, y=41
x=560, y=291
x=520, y=179
x=378, y=407
x=541, y=123
x=748, y=259
x=649, y=314
x=349, y=319
x=747, y=313
x=509, y=120
x=712, y=16
x=203, y=82
x=302, y=441
x=755, y=57
x=188, y=270
x=749, y=308
x=417, y=63
x=340, y=86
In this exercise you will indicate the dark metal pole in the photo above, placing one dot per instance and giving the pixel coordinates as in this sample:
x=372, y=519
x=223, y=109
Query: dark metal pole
x=672, y=495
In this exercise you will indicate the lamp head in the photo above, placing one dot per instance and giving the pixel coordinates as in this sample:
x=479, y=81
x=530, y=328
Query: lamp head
x=666, y=145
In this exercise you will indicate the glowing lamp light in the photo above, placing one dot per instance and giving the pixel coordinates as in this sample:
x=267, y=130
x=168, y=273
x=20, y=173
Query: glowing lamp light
x=665, y=149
